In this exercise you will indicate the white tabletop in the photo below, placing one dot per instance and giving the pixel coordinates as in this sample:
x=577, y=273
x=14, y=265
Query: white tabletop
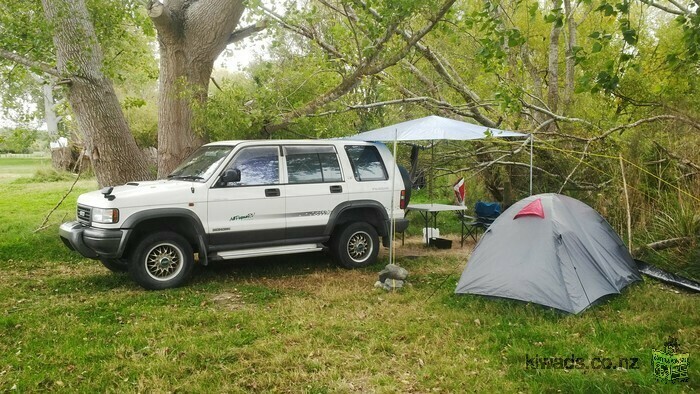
x=435, y=207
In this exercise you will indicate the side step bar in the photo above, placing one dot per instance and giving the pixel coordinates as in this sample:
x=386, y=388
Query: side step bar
x=271, y=251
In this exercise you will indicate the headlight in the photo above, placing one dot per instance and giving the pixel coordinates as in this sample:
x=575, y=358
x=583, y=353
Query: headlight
x=102, y=215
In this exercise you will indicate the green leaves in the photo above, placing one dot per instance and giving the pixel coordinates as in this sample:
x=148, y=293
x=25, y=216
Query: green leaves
x=597, y=47
x=628, y=33
x=556, y=17
x=607, y=9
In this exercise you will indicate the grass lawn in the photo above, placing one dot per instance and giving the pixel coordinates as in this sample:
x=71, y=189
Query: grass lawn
x=300, y=324
x=12, y=168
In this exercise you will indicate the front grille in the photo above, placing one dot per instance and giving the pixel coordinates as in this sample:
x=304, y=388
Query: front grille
x=84, y=214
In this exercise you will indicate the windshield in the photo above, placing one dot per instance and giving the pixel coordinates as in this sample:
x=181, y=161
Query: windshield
x=201, y=164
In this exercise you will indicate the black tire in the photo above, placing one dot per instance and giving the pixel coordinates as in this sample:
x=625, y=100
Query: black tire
x=115, y=265
x=355, y=245
x=162, y=261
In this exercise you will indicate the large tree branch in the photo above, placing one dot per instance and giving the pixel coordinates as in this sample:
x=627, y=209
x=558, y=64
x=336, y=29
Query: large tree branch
x=647, y=120
x=161, y=17
x=665, y=244
x=663, y=8
x=557, y=117
x=363, y=69
x=405, y=100
x=415, y=38
x=443, y=68
x=308, y=33
x=247, y=31
x=33, y=64
x=680, y=6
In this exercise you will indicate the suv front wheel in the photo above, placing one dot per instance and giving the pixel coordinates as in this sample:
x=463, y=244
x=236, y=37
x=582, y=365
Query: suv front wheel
x=161, y=261
x=355, y=245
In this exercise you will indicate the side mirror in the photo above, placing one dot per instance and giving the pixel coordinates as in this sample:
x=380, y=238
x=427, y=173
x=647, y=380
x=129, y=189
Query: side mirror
x=231, y=175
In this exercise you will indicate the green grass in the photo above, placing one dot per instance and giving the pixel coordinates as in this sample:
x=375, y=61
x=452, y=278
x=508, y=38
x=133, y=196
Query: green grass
x=12, y=168
x=300, y=324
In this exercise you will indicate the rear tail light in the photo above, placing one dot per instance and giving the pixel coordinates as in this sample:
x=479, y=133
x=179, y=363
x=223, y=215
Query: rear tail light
x=402, y=200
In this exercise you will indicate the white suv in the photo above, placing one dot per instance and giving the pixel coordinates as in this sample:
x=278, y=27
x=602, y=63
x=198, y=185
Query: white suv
x=238, y=199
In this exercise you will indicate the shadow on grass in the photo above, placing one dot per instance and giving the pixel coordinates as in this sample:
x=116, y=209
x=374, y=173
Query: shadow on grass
x=267, y=267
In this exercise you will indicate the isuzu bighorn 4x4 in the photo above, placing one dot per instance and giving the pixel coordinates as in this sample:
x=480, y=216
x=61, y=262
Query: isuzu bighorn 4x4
x=239, y=199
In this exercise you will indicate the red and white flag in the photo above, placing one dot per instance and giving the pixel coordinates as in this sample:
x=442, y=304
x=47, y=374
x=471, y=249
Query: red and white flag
x=459, y=190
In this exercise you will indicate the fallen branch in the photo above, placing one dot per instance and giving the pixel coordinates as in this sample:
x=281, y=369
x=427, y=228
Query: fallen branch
x=682, y=160
x=583, y=157
x=43, y=225
x=665, y=244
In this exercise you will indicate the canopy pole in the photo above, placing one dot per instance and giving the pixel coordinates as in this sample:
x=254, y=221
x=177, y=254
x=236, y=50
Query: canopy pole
x=532, y=137
x=392, y=224
x=432, y=171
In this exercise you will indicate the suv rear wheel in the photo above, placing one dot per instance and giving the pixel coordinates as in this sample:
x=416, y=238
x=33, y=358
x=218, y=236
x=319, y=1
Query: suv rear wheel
x=161, y=261
x=355, y=245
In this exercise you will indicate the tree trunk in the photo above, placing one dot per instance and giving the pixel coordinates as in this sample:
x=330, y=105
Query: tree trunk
x=570, y=60
x=110, y=145
x=191, y=35
x=553, y=64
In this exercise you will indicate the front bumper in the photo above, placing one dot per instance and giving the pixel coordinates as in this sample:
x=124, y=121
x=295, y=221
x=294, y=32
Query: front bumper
x=93, y=242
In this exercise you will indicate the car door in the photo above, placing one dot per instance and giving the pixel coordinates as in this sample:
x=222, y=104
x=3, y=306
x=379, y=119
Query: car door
x=315, y=186
x=250, y=212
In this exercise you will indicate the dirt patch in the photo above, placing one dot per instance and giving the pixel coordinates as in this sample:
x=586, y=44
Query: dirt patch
x=229, y=300
x=414, y=247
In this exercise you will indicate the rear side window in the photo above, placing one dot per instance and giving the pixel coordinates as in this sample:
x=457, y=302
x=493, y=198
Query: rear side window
x=312, y=164
x=366, y=163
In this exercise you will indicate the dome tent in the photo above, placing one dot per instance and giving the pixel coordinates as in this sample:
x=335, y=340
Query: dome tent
x=552, y=250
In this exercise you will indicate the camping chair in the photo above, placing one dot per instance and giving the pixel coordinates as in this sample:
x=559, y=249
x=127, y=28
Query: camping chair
x=486, y=213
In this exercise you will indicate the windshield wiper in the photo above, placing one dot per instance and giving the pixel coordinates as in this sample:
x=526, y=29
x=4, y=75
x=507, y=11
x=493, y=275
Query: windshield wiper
x=186, y=177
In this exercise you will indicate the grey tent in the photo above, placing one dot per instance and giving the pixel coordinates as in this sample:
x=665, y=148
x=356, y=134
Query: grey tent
x=552, y=250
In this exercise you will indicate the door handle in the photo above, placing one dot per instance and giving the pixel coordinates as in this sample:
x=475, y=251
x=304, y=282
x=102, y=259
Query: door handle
x=272, y=192
x=336, y=189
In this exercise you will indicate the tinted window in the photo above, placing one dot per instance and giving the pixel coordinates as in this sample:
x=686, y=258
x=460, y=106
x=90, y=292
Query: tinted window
x=312, y=164
x=366, y=163
x=259, y=165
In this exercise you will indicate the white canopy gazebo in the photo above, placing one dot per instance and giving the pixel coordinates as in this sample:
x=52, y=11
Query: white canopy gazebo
x=435, y=128
x=432, y=128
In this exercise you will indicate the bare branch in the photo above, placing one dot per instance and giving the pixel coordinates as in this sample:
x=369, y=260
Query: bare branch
x=680, y=6
x=665, y=244
x=215, y=83
x=443, y=68
x=70, y=190
x=247, y=31
x=583, y=156
x=663, y=8
x=308, y=33
x=558, y=117
x=362, y=69
x=421, y=77
x=647, y=120
x=682, y=160
x=412, y=40
x=44, y=67
x=380, y=104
